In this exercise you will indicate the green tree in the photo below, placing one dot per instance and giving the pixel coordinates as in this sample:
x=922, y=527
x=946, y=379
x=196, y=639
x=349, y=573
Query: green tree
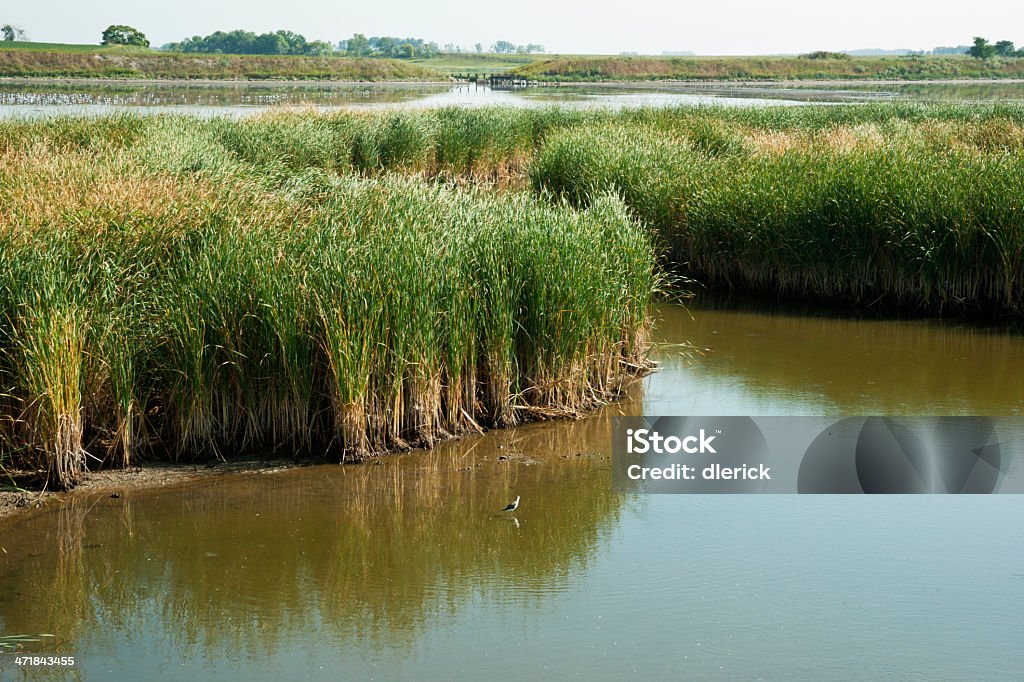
x=296, y=42
x=385, y=45
x=982, y=49
x=503, y=47
x=319, y=48
x=270, y=43
x=358, y=45
x=12, y=33
x=124, y=35
x=479, y=47
x=247, y=42
x=1005, y=48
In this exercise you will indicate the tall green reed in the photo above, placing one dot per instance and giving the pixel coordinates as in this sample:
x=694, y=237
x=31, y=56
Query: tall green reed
x=171, y=298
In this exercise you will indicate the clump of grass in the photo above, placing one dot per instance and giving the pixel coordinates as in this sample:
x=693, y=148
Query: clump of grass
x=173, y=298
x=50, y=352
x=398, y=140
x=863, y=212
x=450, y=142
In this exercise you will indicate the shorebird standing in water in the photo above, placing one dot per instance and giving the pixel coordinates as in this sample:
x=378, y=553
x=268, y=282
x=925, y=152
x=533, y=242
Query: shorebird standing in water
x=512, y=505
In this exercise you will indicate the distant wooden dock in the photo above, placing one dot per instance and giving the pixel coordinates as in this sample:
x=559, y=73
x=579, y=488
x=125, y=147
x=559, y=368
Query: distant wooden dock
x=507, y=80
x=496, y=80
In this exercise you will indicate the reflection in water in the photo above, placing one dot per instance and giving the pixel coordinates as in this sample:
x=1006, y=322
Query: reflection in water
x=363, y=556
x=763, y=360
x=207, y=94
x=960, y=91
x=91, y=99
x=58, y=98
x=244, y=99
x=405, y=569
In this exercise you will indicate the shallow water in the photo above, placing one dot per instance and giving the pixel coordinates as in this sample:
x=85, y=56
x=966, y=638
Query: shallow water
x=403, y=569
x=89, y=99
x=42, y=99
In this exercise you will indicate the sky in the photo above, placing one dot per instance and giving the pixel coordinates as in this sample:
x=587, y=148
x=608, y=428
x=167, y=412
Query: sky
x=708, y=27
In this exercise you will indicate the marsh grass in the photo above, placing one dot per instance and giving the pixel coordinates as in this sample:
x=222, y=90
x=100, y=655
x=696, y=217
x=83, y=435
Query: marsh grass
x=921, y=212
x=570, y=68
x=48, y=61
x=352, y=283
x=174, y=297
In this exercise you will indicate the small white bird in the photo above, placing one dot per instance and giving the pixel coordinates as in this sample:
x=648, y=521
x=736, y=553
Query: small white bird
x=512, y=505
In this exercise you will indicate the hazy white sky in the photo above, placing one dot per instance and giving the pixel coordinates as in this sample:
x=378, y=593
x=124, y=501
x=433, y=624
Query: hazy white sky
x=582, y=26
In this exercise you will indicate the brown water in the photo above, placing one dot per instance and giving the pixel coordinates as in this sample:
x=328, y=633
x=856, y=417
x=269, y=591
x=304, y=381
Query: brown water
x=404, y=570
x=761, y=358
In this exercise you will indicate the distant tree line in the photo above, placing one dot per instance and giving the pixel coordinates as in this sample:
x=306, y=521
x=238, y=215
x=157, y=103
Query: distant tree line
x=287, y=42
x=505, y=47
x=982, y=49
x=874, y=52
x=500, y=47
x=247, y=42
x=388, y=47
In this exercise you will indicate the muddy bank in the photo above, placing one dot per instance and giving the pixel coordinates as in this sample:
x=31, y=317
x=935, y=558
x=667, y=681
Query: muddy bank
x=153, y=475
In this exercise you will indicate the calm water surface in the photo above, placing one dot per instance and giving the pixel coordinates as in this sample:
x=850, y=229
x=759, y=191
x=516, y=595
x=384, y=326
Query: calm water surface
x=402, y=570
x=77, y=98
x=40, y=99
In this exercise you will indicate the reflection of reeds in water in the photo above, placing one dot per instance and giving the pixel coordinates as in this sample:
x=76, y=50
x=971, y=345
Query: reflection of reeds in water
x=364, y=555
x=888, y=366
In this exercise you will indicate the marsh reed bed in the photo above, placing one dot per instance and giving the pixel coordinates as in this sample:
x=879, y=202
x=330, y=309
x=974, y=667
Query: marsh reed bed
x=353, y=283
x=163, y=296
x=920, y=208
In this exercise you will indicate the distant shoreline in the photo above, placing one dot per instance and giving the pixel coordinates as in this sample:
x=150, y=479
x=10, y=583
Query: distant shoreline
x=412, y=84
x=795, y=81
x=117, y=64
x=213, y=82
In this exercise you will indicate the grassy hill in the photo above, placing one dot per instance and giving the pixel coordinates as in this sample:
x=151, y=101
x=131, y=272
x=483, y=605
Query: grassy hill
x=94, y=61
x=598, y=68
x=102, y=62
x=477, y=63
x=22, y=45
